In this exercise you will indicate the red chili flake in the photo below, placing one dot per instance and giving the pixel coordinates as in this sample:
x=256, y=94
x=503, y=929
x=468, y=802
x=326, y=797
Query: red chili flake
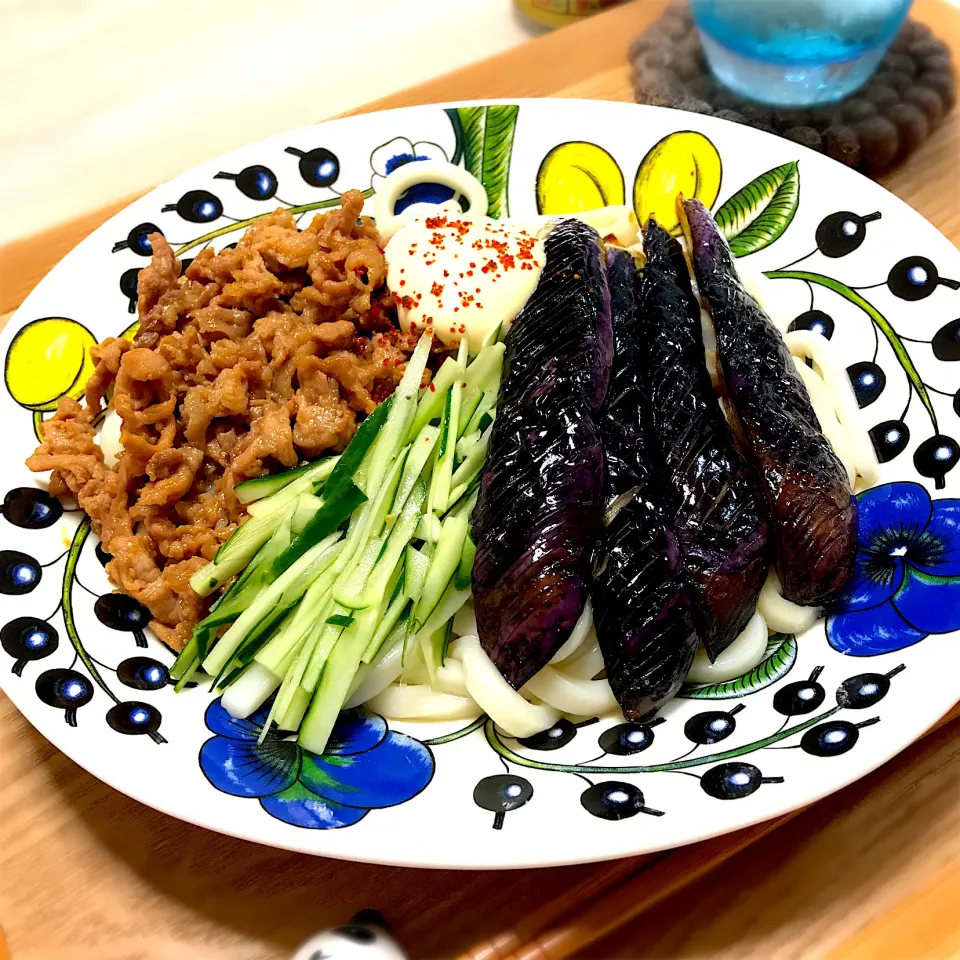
x=402, y=283
x=403, y=270
x=434, y=222
x=461, y=276
x=436, y=289
x=507, y=262
x=446, y=273
x=469, y=273
x=407, y=302
x=477, y=244
x=473, y=265
x=479, y=306
x=463, y=329
x=456, y=309
x=433, y=388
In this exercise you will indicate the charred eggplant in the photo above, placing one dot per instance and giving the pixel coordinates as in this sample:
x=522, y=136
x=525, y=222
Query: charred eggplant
x=808, y=493
x=540, y=496
x=710, y=491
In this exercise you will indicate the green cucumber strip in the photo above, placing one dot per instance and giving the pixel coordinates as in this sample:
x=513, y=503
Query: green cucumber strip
x=481, y=380
x=184, y=659
x=330, y=694
x=284, y=591
x=393, y=615
x=442, y=441
x=243, y=590
x=451, y=601
x=392, y=438
x=340, y=620
x=382, y=506
x=236, y=553
x=446, y=451
x=350, y=584
x=260, y=487
x=462, y=578
x=466, y=443
x=373, y=588
x=311, y=607
x=432, y=648
x=187, y=675
x=310, y=476
x=442, y=568
x=447, y=638
x=306, y=507
x=484, y=414
x=464, y=497
x=472, y=464
x=429, y=528
x=293, y=715
x=416, y=565
x=420, y=453
x=290, y=686
x=337, y=507
x=327, y=640
x=434, y=395
x=357, y=449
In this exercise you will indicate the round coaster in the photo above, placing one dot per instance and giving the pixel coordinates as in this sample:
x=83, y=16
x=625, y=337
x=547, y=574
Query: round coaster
x=873, y=130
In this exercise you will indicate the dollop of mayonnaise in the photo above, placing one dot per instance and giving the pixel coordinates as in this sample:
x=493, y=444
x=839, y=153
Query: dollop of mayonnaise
x=462, y=276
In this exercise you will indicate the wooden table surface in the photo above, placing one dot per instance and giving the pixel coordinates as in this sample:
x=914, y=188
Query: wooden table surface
x=871, y=873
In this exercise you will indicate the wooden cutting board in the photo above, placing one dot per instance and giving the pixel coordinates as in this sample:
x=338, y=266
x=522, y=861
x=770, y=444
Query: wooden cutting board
x=872, y=873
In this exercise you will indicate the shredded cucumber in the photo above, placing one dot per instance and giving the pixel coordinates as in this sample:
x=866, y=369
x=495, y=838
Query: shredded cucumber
x=284, y=591
x=481, y=383
x=310, y=475
x=434, y=395
x=329, y=585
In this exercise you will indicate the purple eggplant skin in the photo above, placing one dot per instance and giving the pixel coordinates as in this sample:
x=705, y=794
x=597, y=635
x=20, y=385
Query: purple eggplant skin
x=540, y=503
x=808, y=492
x=643, y=601
x=711, y=492
x=565, y=327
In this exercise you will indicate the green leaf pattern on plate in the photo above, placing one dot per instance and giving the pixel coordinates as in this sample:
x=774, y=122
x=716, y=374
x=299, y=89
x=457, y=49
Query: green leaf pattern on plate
x=759, y=213
x=779, y=658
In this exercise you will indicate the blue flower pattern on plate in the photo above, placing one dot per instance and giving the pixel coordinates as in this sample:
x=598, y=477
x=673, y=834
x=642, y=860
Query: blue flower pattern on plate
x=399, y=152
x=906, y=582
x=366, y=766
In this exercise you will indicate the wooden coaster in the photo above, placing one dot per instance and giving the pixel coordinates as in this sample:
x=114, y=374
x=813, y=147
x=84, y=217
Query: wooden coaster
x=873, y=130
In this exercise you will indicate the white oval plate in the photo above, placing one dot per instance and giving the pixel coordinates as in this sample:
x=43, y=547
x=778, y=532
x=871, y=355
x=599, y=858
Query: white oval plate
x=872, y=680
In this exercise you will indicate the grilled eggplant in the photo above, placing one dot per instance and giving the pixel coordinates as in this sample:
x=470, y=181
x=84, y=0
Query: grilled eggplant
x=643, y=602
x=711, y=493
x=540, y=495
x=812, y=506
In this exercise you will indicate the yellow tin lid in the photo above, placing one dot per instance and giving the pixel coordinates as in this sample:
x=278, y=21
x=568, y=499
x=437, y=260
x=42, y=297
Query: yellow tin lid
x=560, y=13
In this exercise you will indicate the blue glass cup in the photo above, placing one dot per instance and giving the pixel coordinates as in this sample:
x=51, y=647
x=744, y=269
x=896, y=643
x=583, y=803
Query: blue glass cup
x=796, y=52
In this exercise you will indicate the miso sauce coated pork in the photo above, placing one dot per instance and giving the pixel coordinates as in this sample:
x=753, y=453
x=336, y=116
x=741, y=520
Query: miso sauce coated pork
x=541, y=492
x=813, y=509
x=643, y=602
x=710, y=491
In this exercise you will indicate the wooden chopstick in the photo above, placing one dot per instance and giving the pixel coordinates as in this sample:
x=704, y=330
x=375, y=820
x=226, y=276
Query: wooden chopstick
x=620, y=892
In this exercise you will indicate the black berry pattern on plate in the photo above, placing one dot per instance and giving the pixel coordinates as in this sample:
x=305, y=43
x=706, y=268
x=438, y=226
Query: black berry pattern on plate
x=500, y=794
x=120, y=612
x=31, y=508
x=256, y=182
x=911, y=279
x=30, y=639
x=615, y=800
x=138, y=240
x=733, y=781
x=27, y=639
